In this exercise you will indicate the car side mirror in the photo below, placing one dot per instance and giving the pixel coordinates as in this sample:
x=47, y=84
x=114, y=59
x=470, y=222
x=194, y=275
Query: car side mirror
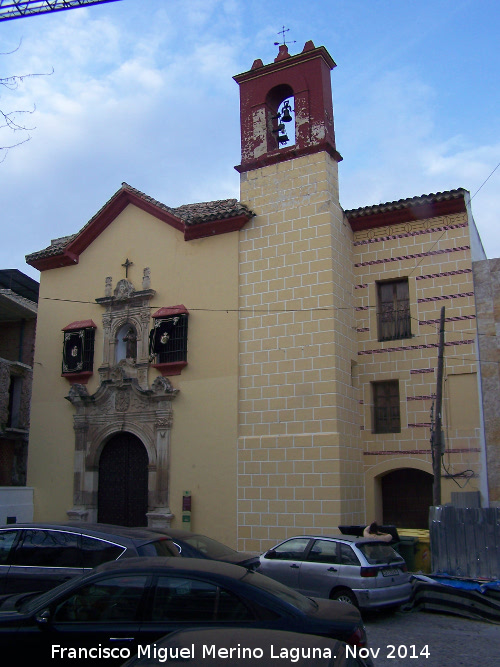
x=43, y=617
x=271, y=554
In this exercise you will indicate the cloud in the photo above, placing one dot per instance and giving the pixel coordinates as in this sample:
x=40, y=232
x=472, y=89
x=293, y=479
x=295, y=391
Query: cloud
x=394, y=147
x=148, y=97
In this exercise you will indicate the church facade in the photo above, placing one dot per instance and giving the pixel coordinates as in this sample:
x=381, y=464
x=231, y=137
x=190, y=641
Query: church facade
x=263, y=367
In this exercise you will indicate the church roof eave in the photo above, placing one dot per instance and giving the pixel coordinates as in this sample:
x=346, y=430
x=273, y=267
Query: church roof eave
x=192, y=220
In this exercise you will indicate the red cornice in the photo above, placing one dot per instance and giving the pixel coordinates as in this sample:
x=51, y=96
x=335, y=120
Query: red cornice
x=168, y=311
x=407, y=213
x=284, y=154
x=214, y=227
x=106, y=216
x=71, y=253
x=309, y=53
x=78, y=378
x=80, y=324
x=170, y=368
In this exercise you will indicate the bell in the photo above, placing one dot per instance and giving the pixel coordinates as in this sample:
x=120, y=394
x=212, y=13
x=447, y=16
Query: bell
x=283, y=139
x=285, y=116
x=280, y=128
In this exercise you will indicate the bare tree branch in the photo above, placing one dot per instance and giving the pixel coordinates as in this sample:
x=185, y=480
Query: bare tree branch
x=9, y=119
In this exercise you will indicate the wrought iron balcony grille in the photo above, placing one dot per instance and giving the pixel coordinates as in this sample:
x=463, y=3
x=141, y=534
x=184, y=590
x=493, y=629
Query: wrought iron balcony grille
x=168, y=339
x=78, y=351
x=394, y=324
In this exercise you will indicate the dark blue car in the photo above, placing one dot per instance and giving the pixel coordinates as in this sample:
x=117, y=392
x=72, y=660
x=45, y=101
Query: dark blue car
x=123, y=605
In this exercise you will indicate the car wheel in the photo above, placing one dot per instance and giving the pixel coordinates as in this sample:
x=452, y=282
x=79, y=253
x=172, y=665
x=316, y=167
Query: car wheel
x=344, y=595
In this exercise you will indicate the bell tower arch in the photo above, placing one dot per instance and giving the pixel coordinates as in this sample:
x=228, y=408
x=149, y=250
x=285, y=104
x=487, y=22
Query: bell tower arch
x=306, y=77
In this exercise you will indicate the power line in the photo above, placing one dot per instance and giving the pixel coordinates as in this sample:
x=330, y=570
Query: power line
x=485, y=181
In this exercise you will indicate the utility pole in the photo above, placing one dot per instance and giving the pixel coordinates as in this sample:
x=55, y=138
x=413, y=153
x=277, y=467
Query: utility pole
x=437, y=438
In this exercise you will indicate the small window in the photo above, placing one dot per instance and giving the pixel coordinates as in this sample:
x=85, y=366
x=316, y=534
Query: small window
x=48, y=548
x=347, y=555
x=7, y=539
x=161, y=547
x=15, y=392
x=231, y=608
x=386, y=413
x=291, y=549
x=393, y=310
x=184, y=600
x=112, y=600
x=78, y=347
x=97, y=551
x=324, y=551
x=168, y=340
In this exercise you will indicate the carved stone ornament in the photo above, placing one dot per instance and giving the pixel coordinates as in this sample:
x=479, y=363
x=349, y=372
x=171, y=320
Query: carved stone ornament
x=124, y=289
x=77, y=391
x=121, y=405
x=117, y=374
x=162, y=385
x=122, y=401
x=108, y=286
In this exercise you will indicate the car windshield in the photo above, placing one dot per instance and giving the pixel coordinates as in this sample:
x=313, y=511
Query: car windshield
x=378, y=552
x=209, y=547
x=280, y=591
x=158, y=548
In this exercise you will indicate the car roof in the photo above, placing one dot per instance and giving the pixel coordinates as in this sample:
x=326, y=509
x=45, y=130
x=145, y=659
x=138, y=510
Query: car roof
x=138, y=534
x=179, y=534
x=173, y=564
x=340, y=538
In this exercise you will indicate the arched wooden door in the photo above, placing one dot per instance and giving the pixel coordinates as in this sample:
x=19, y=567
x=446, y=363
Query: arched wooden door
x=406, y=498
x=122, y=496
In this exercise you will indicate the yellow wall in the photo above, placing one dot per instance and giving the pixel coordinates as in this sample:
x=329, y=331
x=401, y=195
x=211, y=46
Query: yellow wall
x=439, y=274
x=201, y=274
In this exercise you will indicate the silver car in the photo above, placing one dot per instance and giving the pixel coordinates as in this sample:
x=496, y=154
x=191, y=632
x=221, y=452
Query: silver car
x=365, y=572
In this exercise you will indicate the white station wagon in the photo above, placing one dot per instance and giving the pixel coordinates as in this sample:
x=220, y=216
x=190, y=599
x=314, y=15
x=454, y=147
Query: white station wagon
x=362, y=571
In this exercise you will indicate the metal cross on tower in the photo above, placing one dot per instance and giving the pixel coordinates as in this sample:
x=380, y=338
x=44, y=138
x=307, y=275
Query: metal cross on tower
x=282, y=32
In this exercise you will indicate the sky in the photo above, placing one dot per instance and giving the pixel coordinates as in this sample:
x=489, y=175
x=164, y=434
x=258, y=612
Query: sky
x=141, y=91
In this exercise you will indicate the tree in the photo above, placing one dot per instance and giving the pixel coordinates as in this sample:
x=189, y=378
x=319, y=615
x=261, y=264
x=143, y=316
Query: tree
x=12, y=121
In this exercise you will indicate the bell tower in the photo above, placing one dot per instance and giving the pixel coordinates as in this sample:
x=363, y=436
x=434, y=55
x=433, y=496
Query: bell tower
x=300, y=463
x=306, y=78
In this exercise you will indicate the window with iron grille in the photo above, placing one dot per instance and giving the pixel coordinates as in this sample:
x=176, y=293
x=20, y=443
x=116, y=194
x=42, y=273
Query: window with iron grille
x=168, y=339
x=393, y=310
x=78, y=350
x=386, y=413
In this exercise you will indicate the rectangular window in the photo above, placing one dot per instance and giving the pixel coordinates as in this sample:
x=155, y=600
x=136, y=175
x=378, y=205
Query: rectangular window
x=78, y=350
x=15, y=392
x=393, y=310
x=386, y=414
x=168, y=339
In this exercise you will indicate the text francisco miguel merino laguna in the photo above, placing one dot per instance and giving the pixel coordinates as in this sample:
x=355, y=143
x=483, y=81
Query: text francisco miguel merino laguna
x=162, y=654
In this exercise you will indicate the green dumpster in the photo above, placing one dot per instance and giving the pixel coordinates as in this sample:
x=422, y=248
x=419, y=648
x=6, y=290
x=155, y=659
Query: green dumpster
x=422, y=548
x=407, y=547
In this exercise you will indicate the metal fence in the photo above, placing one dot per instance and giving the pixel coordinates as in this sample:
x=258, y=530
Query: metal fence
x=465, y=541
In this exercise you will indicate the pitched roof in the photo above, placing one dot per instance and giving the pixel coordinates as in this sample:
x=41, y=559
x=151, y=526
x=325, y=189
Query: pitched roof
x=406, y=210
x=193, y=220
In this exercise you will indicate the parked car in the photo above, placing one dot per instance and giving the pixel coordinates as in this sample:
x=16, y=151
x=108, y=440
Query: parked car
x=234, y=647
x=123, y=604
x=39, y=556
x=194, y=545
x=365, y=572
